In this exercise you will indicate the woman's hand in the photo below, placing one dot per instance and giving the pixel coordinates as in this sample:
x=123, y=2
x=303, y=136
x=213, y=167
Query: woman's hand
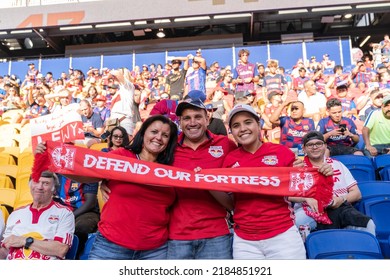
x=104, y=190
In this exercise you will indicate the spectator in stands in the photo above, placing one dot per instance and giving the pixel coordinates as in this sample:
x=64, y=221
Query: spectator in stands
x=348, y=106
x=360, y=74
x=12, y=100
x=339, y=131
x=272, y=80
x=216, y=125
x=124, y=104
x=101, y=108
x=299, y=82
x=218, y=101
x=32, y=72
x=37, y=108
x=165, y=107
x=385, y=46
x=175, y=81
x=244, y=97
x=282, y=71
x=196, y=80
x=314, y=64
x=376, y=98
x=245, y=75
x=42, y=230
x=292, y=127
x=341, y=213
x=313, y=101
x=60, y=100
x=320, y=80
x=203, y=234
x=134, y=220
x=376, y=130
x=156, y=90
x=337, y=79
x=326, y=62
x=116, y=139
x=264, y=225
x=92, y=124
x=81, y=198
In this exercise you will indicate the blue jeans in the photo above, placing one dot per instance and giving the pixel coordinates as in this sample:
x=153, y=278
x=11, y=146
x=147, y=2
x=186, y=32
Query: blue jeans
x=103, y=249
x=209, y=248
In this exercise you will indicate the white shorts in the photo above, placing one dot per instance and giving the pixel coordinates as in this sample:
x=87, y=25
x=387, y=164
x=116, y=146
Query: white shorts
x=285, y=246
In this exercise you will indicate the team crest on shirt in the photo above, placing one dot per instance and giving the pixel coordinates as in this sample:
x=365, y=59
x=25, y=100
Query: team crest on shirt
x=306, y=127
x=63, y=157
x=301, y=181
x=74, y=186
x=53, y=219
x=216, y=151
x=270, y=160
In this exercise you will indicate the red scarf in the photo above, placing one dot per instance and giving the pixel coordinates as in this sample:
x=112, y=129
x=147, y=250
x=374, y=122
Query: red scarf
x=280, y=181
x=320, y=217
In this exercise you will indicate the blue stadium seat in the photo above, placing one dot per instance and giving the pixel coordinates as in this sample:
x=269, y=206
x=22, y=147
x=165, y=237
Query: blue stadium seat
x=71, y=255
x=382, y=167
x=88, y=246
x=361, y=167
x=372, y=191
x=379, y=211
x=342, y=244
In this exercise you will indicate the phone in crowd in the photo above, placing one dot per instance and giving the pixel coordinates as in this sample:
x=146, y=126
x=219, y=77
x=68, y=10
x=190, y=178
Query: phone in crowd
x=343, y=127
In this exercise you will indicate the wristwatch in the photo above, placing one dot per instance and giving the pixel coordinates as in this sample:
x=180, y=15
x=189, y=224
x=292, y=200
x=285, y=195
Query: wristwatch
x=29, y=241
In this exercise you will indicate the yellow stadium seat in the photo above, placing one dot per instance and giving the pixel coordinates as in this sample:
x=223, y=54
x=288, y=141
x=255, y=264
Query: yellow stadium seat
x=9, y=170
x=14, y=151
x=26, y=159
x=22, y=181
x=98, y=146
x=6, y=159
x=6, y=182
x=23, y=199
x=7, y=197
x=11, y=114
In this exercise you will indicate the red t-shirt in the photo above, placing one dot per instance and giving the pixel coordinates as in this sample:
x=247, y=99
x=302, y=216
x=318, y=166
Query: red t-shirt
x=136, y=216
x=196, y=214
x=256, y=216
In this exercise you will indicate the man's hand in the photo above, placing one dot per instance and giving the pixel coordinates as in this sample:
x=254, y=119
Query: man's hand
x=326, y=169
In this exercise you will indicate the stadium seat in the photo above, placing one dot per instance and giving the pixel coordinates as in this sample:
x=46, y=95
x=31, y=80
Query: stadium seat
x=6, y=182
x=342, y=244
x=382, y=167
x=7, y=197
x=98, y=146
x=372, y=191
x=379, y=211
x=71, y=255
x=6, y=159
x=361, y=167
x=88, y=246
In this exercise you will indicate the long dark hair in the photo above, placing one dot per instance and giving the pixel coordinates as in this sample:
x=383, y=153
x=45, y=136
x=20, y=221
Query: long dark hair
x=165, y=157
x=125, y=142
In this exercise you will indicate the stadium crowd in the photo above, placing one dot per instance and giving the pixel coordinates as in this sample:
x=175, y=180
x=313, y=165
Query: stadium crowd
x=348, y=106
